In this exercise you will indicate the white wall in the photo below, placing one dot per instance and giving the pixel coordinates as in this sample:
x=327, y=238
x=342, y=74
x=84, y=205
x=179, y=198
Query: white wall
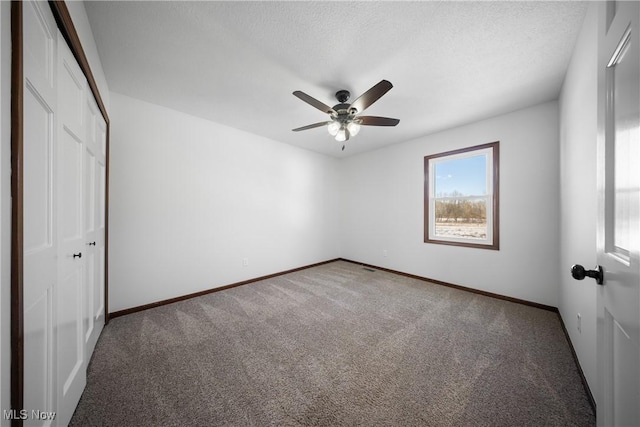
x=578, y=206
x=382, y=196
x=5, y=207
x=191, y=198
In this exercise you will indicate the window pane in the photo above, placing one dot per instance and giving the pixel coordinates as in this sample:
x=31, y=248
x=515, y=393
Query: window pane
x=461, y=218
x=461, y=194
x=461, y=177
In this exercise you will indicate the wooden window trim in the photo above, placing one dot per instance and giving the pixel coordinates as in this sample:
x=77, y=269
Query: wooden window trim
x=495, y=174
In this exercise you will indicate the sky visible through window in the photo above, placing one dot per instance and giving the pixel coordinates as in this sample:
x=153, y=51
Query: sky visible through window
x=467, y=176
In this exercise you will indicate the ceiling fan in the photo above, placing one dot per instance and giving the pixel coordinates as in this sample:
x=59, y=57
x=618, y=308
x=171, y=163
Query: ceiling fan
x=345, y=121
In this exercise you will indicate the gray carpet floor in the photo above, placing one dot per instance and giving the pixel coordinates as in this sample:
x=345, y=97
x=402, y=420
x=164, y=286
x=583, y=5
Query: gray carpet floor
x=335, y=344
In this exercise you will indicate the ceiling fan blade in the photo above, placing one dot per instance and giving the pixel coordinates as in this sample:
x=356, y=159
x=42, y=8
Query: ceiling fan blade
x=314, y=102
x=378, y=121
x=315, y=125
x=371, y=96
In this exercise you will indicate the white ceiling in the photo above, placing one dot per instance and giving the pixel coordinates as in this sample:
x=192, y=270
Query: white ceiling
x=237, y=63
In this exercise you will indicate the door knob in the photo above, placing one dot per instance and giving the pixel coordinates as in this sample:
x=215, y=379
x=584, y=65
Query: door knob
x=578, y=272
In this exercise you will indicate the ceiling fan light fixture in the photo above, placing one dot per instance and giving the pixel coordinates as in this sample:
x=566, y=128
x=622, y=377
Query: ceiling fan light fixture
x=342, y=135
x=353, y=128
x=333, y=128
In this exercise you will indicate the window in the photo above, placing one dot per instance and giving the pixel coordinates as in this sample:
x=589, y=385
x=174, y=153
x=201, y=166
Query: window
x=461, y=197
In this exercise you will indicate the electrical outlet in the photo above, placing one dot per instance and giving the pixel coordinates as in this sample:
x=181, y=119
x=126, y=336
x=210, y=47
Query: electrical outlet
x=384, y=252
x=245, y=261
x=579, y=323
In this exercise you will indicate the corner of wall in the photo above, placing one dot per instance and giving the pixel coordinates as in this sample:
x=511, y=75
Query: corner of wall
x=578, y=214
x=254, y=203
x=382, y=207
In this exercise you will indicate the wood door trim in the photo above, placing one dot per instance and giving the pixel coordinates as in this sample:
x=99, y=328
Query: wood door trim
x=17, y=199
x=68, y=31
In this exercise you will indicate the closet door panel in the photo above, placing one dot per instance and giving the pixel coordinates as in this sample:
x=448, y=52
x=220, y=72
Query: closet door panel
x=91, y=254
x=38, y=181
x=38, y=356
x=71, y=272
x=39, y=46
x=72, y=84
x=72, y=358
x=39, y=209
x=70, y=184
x=40, y=264
x=94, y=225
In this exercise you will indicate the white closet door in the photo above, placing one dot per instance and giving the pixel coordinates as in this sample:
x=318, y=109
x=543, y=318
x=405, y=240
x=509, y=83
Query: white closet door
x=40, y=268
x=64, y=222
x=94, y=181
x=71, y=298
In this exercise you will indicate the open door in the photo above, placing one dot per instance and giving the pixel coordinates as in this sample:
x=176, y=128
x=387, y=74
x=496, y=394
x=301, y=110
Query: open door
x=618, y=334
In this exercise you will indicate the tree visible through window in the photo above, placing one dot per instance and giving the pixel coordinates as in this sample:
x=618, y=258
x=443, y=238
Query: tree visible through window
x=461, y=197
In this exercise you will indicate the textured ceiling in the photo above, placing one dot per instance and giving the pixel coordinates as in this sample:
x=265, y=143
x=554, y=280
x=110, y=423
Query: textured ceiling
x=237, y=63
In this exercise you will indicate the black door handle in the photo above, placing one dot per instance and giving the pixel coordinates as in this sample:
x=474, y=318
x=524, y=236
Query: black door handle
x=91, y=244
x=578, y=272
x=78, y=255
